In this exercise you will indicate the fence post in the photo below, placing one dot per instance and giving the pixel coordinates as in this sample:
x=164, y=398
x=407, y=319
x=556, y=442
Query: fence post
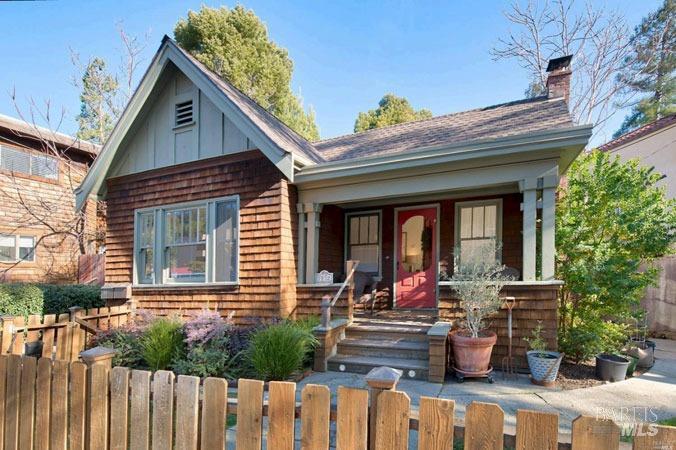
x=79, y=336
x=350, y=290
x=326, y=311
x=379, y=380
x=131, y=307
x=7, y=332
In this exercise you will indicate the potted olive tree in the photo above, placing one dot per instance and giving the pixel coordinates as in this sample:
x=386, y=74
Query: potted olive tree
x=543, y=364
x=478, y=280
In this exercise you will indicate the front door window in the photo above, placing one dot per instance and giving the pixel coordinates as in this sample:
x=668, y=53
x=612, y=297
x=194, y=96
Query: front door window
x=416, y=258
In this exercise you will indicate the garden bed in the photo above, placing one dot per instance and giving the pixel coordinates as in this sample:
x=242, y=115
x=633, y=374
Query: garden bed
x=582, y=375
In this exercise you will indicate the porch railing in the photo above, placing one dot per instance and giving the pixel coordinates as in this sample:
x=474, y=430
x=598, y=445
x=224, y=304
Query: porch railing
x=328, y=302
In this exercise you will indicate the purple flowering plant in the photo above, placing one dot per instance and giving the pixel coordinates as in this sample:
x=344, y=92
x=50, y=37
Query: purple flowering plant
x=204, y=327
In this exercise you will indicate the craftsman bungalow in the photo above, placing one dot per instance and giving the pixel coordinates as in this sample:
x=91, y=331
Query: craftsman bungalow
x=213, y=202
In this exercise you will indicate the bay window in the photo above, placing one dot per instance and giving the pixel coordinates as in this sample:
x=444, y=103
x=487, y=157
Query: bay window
x=195, y=242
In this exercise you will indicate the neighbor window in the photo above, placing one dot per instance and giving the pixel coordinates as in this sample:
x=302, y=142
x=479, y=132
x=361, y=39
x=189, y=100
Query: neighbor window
x=16, y=248
x=478, y=231
x=198, y=243
x=363, y=241
x=25, y=162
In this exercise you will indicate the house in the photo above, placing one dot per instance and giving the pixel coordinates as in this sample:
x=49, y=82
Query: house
x=41, y=235
x=654, y=144
x=213, y=202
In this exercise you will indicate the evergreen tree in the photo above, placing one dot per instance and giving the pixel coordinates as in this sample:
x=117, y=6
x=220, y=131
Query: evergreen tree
x=97, y=102
x=391, y=110
x=235, y=44
x=650, y=68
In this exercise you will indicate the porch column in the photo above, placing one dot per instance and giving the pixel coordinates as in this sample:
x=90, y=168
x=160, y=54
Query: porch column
x=312, y=243
x=302, y=233
x=549, y=184
x=529, y=207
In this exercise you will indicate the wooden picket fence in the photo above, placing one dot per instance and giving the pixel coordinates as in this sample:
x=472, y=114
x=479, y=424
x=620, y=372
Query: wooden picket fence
x=64, y=336
x=59, y=405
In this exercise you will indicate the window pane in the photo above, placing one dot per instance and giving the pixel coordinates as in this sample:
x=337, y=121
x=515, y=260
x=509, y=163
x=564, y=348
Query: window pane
x=354, y=230
x=477, y=251
x=45, y=166
x=490, y=220
x=367, y=255
x=147, y=228
x=363, y=230
x=373, y=230
x=416, y=245
x=26, y=247
x=186, y=226
x=15, y=160
x=187, y=263
x=478, y=221
x=225, y=259
x=7, y=248
x=465, y=223
x=146, y=265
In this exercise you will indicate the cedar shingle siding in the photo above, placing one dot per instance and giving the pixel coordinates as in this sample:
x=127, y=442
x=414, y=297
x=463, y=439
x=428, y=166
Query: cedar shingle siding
x=267, y=217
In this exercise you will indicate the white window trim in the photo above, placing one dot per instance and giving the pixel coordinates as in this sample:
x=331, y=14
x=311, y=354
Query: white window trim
x=17, y=245
x=161, y=276
x=498, y=226
x=346, y=240
x=32, y=154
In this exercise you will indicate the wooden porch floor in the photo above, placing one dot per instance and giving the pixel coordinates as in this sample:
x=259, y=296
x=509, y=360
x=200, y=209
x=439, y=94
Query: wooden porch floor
x=410, y=316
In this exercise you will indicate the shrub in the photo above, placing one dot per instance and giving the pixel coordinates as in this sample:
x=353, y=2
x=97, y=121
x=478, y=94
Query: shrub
x=58, y=298
x=20, y=299
x=128, y=346
x=161, y=343
x=588, y=338
x=211, y=359
x=276, y=352
x=204, y=327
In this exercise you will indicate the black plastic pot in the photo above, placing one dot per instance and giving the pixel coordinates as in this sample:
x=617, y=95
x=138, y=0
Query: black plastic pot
x=611, y=367
x=33, y=349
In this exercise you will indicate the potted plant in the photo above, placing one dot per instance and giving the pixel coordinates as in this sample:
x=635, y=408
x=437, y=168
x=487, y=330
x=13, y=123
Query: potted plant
x=478, y=280
x=543, y=364
x=611, y=367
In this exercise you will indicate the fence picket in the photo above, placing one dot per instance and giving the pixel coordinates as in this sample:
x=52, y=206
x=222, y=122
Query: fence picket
x=665, y=438
x=590, y=433
x=78, y=406
x=281, y=415
x=392, y=421
x=48, y=336
x=119, y=407
x=187, y=412
x=18, y=345
x=97, y=407
x=58, y=427
x=214, y=413
x=353, y=419
x=27, y=402
x=43, y=389
x=12, y=399
x=435, y=426
x=314, y=417
x=33, y=319
x=249, y=414
x=139, y=424
x=484, y=424
x=62, y=339
x=536, y=430
x=163, y=410
x=7, y=334
x=77, y=340
x=3, y=386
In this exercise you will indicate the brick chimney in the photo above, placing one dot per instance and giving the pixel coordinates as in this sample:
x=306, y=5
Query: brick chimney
x=558, y=78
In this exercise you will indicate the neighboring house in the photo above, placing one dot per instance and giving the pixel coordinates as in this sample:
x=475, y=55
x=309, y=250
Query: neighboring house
x=39, y=170
x=654, y=144
x=213, y=202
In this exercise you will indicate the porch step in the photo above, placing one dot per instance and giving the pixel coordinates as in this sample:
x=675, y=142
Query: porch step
x=412, y=368
x=389, y=331
x=390, y=348
x=364, y=321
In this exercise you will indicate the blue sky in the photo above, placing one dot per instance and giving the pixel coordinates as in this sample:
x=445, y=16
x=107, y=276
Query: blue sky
x=346, y=54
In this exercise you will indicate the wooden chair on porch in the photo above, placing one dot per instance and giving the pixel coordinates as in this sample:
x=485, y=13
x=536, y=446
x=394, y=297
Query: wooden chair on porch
x=366, y=290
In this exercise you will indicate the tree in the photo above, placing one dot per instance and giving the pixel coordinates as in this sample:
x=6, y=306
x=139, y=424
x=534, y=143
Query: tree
x=596, y=37
x=97, y=102
x=612, y=222
x=649, y=71
x=391, y=111
x=235, y=44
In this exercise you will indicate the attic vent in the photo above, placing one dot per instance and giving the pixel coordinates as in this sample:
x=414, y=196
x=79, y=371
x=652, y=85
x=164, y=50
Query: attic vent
x=183, y=113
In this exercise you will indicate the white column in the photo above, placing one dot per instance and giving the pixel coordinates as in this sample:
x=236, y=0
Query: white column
x=312, y=245
x=548, y=225
x=302, y=233
x=529, y=189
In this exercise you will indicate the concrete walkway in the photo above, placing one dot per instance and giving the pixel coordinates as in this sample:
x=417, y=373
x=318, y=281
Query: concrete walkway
x=653, y=393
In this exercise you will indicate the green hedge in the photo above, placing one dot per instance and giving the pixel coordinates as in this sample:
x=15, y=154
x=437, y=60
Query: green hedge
x=22, y=299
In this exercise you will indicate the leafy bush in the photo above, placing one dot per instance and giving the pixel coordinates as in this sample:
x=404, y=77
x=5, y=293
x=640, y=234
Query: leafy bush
x=128, y=346
x=308, y=323
x=161, y=343
x=276, y=352
x=58, y=298
x=204, y=327
x=211, y=359
x=20, y=299
x=590, y=337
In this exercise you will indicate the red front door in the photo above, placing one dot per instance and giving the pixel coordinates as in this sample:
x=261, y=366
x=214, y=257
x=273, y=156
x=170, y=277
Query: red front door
x=416, y=258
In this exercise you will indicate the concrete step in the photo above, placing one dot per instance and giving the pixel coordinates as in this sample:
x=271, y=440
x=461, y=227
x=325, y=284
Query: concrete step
x=416, y=369
x=394, y=348
x=392, y=323
x=389, y=332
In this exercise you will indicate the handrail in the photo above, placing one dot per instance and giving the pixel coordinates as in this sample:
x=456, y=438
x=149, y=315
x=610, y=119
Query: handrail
x=345, y=283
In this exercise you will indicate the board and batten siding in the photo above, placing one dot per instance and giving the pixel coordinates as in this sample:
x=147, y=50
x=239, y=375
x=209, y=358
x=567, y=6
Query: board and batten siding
x=267, y=274
x=155, y=142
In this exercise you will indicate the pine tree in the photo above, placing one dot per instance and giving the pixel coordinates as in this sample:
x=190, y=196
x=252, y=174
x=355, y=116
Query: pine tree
x=97, y=102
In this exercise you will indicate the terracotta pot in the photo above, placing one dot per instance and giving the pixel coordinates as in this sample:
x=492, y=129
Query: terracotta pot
x=472, y=355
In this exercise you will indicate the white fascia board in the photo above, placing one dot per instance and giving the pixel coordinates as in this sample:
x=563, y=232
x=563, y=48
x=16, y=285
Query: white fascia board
x=573, y=137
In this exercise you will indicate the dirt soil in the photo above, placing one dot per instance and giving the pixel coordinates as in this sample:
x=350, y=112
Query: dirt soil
x=583, y=375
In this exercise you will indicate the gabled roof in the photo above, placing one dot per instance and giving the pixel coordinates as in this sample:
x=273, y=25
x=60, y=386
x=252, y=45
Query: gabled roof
x=503, y=120
x=646, y=129
x=67, y=143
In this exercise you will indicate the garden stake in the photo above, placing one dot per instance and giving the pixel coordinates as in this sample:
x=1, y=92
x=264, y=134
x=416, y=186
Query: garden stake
x=508, y=361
